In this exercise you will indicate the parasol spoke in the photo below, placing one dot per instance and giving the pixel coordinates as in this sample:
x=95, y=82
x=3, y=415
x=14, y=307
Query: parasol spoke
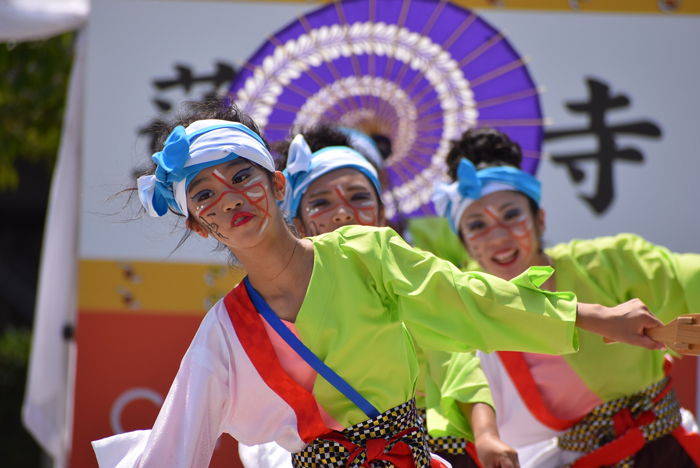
x=412, y=158
x=291, y=87
x=415, y=175
x=448, y=43
x=426, y=30
x=536, y=154
x=499, y=71
x=510, y=97
x=493, y=40
x=353, y=58
x=389, y=67
x=516, y=122
x=331, y=67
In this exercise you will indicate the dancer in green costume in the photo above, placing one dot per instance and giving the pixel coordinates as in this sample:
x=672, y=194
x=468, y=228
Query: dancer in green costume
x=494, y=209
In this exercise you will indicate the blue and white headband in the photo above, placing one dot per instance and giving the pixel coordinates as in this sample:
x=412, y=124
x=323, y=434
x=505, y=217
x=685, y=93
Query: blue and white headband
x=303, y=167
x=202, y=144
x=364, y=145
x=452, y=200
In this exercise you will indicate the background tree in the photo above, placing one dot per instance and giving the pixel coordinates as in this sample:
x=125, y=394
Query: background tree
x=33, y=86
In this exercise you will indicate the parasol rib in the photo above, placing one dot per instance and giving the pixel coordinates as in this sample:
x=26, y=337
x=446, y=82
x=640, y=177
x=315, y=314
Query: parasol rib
x=482, y=48
x=510, y=97
x=515, y=64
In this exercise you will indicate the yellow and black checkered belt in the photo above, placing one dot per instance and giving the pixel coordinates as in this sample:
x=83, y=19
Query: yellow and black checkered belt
x=395, y=438
x=613, y=432
x=448, y=444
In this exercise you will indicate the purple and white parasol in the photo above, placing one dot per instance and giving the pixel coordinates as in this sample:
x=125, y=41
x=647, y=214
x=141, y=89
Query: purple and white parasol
x=418, y=72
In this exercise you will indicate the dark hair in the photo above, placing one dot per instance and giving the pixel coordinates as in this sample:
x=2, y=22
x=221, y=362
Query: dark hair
x=486, y=147
x=189, y=112
x=319, y=136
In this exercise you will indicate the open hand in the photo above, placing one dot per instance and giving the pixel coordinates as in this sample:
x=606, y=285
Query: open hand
x=624, y=323
x=494, y=453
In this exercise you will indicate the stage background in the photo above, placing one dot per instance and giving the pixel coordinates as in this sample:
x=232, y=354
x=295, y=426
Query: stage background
x=140, y=300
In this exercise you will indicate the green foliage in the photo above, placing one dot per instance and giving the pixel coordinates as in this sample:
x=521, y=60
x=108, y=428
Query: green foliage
x=17, y=446
x=33, y=91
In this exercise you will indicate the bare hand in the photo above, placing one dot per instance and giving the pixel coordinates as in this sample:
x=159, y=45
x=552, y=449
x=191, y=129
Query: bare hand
x=624, y=323
x=494, y=453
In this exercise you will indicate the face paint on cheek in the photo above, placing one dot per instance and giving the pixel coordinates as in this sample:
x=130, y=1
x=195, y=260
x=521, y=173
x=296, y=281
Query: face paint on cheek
x=365, y=217
x=520, y=230
x=252, y=181
x=312, y=212
x=261, y=202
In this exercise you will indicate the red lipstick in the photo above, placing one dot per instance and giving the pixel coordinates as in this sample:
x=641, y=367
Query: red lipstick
x=241, y=218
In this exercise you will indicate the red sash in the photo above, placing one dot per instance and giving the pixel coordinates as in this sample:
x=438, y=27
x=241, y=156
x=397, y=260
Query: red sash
x=251, y=332
x=631, y=439
x=519, y=372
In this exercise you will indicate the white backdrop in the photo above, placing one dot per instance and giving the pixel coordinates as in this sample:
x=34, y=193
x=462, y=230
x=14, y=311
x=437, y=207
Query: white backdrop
x=652, y=59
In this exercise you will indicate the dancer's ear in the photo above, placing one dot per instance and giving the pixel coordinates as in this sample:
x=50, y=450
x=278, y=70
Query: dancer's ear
x=301, y=229
x=279, y=184
x=193, y=225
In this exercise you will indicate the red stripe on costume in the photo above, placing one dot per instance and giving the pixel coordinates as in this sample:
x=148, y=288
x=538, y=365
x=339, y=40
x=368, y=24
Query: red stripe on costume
x=690, y=441
x=251, y=333
x=519, y=372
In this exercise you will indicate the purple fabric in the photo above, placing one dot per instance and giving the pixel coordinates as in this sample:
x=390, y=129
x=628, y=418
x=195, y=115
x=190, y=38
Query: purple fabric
x=506, y=116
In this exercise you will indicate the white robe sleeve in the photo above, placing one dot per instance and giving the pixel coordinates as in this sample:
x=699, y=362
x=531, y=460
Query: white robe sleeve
x=216, y=390
x=193, y=416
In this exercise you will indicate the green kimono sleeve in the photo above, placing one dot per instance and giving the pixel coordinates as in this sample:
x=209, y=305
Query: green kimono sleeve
x=422, y=375
x=446, y=309
x=454, y=378
x=627, y=266
x=433, y=234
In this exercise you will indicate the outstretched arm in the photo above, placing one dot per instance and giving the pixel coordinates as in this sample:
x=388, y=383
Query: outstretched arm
x=624, y=323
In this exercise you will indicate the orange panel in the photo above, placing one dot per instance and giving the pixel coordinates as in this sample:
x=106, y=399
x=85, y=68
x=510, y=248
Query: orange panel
x=135, y=357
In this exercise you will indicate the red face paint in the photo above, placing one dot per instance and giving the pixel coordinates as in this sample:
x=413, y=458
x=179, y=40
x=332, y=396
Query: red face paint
x=360, y=213
x=522, y=236
x=262, y=203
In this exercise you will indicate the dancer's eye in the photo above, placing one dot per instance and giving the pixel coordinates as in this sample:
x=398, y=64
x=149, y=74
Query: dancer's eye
x=511, y=214
x=319, y=202
x=242, y=175
x=475, y=226
x=361, y=196
x=201, y=196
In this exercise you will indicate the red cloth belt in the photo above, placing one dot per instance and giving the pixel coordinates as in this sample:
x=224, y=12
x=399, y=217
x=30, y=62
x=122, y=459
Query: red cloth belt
x=400, y=455
x=630, y=438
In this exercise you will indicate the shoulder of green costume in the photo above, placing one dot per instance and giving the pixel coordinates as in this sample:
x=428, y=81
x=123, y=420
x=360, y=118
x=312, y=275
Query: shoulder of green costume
x=581, y=248
x=355, y=231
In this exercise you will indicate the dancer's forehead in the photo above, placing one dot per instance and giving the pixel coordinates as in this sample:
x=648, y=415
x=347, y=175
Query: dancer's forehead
x=351, y=180
x=208, y=173
x=497, y=202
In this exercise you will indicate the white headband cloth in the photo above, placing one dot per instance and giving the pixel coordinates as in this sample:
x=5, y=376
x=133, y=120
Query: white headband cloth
x=304, y=167
x=452, y=200
x=188, y=151
x=364, y=145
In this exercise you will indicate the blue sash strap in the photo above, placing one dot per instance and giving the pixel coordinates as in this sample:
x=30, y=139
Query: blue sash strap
x=307, y=355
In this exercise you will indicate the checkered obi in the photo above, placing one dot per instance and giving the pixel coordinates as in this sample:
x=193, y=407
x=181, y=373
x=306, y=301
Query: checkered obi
x=448, y=444
x=653, y=412
x=395, y=438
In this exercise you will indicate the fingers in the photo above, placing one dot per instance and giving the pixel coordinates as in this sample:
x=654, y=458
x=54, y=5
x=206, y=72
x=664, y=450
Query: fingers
x=509, y=460
x=646, y=342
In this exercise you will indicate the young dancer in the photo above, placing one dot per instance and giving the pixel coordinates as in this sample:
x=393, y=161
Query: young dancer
x=339, y=187
x=609, y=405
x=348, y=303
